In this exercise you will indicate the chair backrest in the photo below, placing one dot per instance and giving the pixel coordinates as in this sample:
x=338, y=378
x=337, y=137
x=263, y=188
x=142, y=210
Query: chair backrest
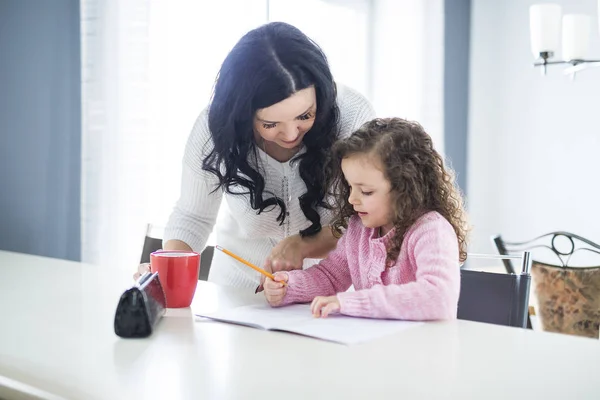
x=152, y=244
x=501, y=299
x=205, y=262
x=547, y=241
x=567, y=298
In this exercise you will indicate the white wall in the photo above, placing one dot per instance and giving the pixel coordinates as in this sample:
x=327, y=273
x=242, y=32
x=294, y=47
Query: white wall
x=534, y=141
x=407, y=71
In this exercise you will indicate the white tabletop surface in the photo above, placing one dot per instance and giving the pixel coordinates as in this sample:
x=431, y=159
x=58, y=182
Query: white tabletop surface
x=57, y=341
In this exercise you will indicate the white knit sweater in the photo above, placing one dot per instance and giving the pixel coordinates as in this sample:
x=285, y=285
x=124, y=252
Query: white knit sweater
x=240, y=229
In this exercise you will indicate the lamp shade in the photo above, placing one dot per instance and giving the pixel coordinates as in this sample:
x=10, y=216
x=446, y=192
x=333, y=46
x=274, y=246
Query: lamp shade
x=545, y=27
x=576, y=32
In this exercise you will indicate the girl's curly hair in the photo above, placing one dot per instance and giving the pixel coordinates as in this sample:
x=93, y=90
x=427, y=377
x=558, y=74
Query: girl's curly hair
x=419, y=180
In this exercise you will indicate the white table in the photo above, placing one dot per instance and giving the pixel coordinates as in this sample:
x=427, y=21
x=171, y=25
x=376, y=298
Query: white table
x=57, y=341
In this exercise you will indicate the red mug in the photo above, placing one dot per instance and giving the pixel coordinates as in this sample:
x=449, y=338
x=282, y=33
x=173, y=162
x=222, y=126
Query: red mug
x=178, y=275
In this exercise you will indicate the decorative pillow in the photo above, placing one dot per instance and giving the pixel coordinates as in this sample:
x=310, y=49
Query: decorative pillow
x=568, y=298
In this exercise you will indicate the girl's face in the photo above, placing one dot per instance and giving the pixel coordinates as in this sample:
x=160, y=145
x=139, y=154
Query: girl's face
x=283, y=125
x=369, y=191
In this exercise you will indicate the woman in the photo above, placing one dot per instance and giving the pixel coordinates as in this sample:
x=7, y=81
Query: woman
x=262, y=145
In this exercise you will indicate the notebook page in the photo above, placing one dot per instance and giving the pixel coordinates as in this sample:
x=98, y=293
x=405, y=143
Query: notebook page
x=298, y=319
x=351, y=330
x=263, y=316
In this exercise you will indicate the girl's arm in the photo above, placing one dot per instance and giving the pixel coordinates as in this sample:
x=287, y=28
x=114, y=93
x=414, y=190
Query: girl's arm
x=434, y=293
x=327, y=278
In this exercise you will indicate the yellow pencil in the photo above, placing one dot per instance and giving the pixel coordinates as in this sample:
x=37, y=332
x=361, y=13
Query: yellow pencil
x=254, y=267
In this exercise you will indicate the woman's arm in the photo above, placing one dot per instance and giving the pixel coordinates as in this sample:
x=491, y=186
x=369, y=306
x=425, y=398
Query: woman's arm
x=195, y=213
x=355, y=110
x=318, y=246
x=175, y=244
x=289, y=254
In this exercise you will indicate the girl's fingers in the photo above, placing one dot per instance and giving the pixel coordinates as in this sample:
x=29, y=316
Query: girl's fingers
x=313, y=304
x=281, y=277
x=316, y=307
x=328, y=309
x=270, y=284
x=274, y=300
x=275, y=293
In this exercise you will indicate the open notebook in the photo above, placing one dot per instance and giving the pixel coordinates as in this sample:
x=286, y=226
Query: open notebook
x=298, y=319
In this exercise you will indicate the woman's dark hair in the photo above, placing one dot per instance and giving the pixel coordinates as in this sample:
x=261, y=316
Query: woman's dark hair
x=268, y=65
x=419, y=180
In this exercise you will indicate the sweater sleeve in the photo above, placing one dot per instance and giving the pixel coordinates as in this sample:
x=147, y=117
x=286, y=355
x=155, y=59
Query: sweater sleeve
x=434, y=293
x=195, y=213
x=355, y=110
x=327, y=278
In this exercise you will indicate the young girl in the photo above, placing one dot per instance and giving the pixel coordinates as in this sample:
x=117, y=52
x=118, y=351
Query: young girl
x=405, y=231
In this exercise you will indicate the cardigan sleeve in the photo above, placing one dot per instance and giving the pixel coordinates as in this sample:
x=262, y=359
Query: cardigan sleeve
x=327, y=278
x=194, y=215
x=434, y=293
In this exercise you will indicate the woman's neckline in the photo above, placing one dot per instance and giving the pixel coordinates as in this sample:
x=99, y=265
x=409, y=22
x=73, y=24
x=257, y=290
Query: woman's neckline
x=272, y=159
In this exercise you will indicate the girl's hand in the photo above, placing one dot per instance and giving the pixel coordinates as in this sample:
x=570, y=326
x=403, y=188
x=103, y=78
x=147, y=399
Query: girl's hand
x=275, y=290
x=322, y=306
x=286, y=256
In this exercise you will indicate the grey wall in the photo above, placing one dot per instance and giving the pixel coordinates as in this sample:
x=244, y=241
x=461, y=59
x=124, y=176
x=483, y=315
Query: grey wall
x=457, y=26
x=40, y=134
x=533, y=139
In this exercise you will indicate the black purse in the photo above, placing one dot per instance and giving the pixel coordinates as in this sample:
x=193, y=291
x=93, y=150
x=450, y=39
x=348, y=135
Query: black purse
x=140, y=308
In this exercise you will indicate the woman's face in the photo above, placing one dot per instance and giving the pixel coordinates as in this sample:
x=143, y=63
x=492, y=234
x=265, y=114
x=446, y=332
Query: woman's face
x=284, y=124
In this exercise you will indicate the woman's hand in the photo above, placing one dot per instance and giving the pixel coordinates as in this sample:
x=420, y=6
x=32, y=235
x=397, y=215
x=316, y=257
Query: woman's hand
x=142, y=269
x=289, y=254
x=275, y=290
x=322, y=306
x=286, y=256
x=171, y=245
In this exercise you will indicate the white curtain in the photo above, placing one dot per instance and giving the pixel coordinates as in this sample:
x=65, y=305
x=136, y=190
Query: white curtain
x=117, y=135
x=149, y=67
x=148, y=70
